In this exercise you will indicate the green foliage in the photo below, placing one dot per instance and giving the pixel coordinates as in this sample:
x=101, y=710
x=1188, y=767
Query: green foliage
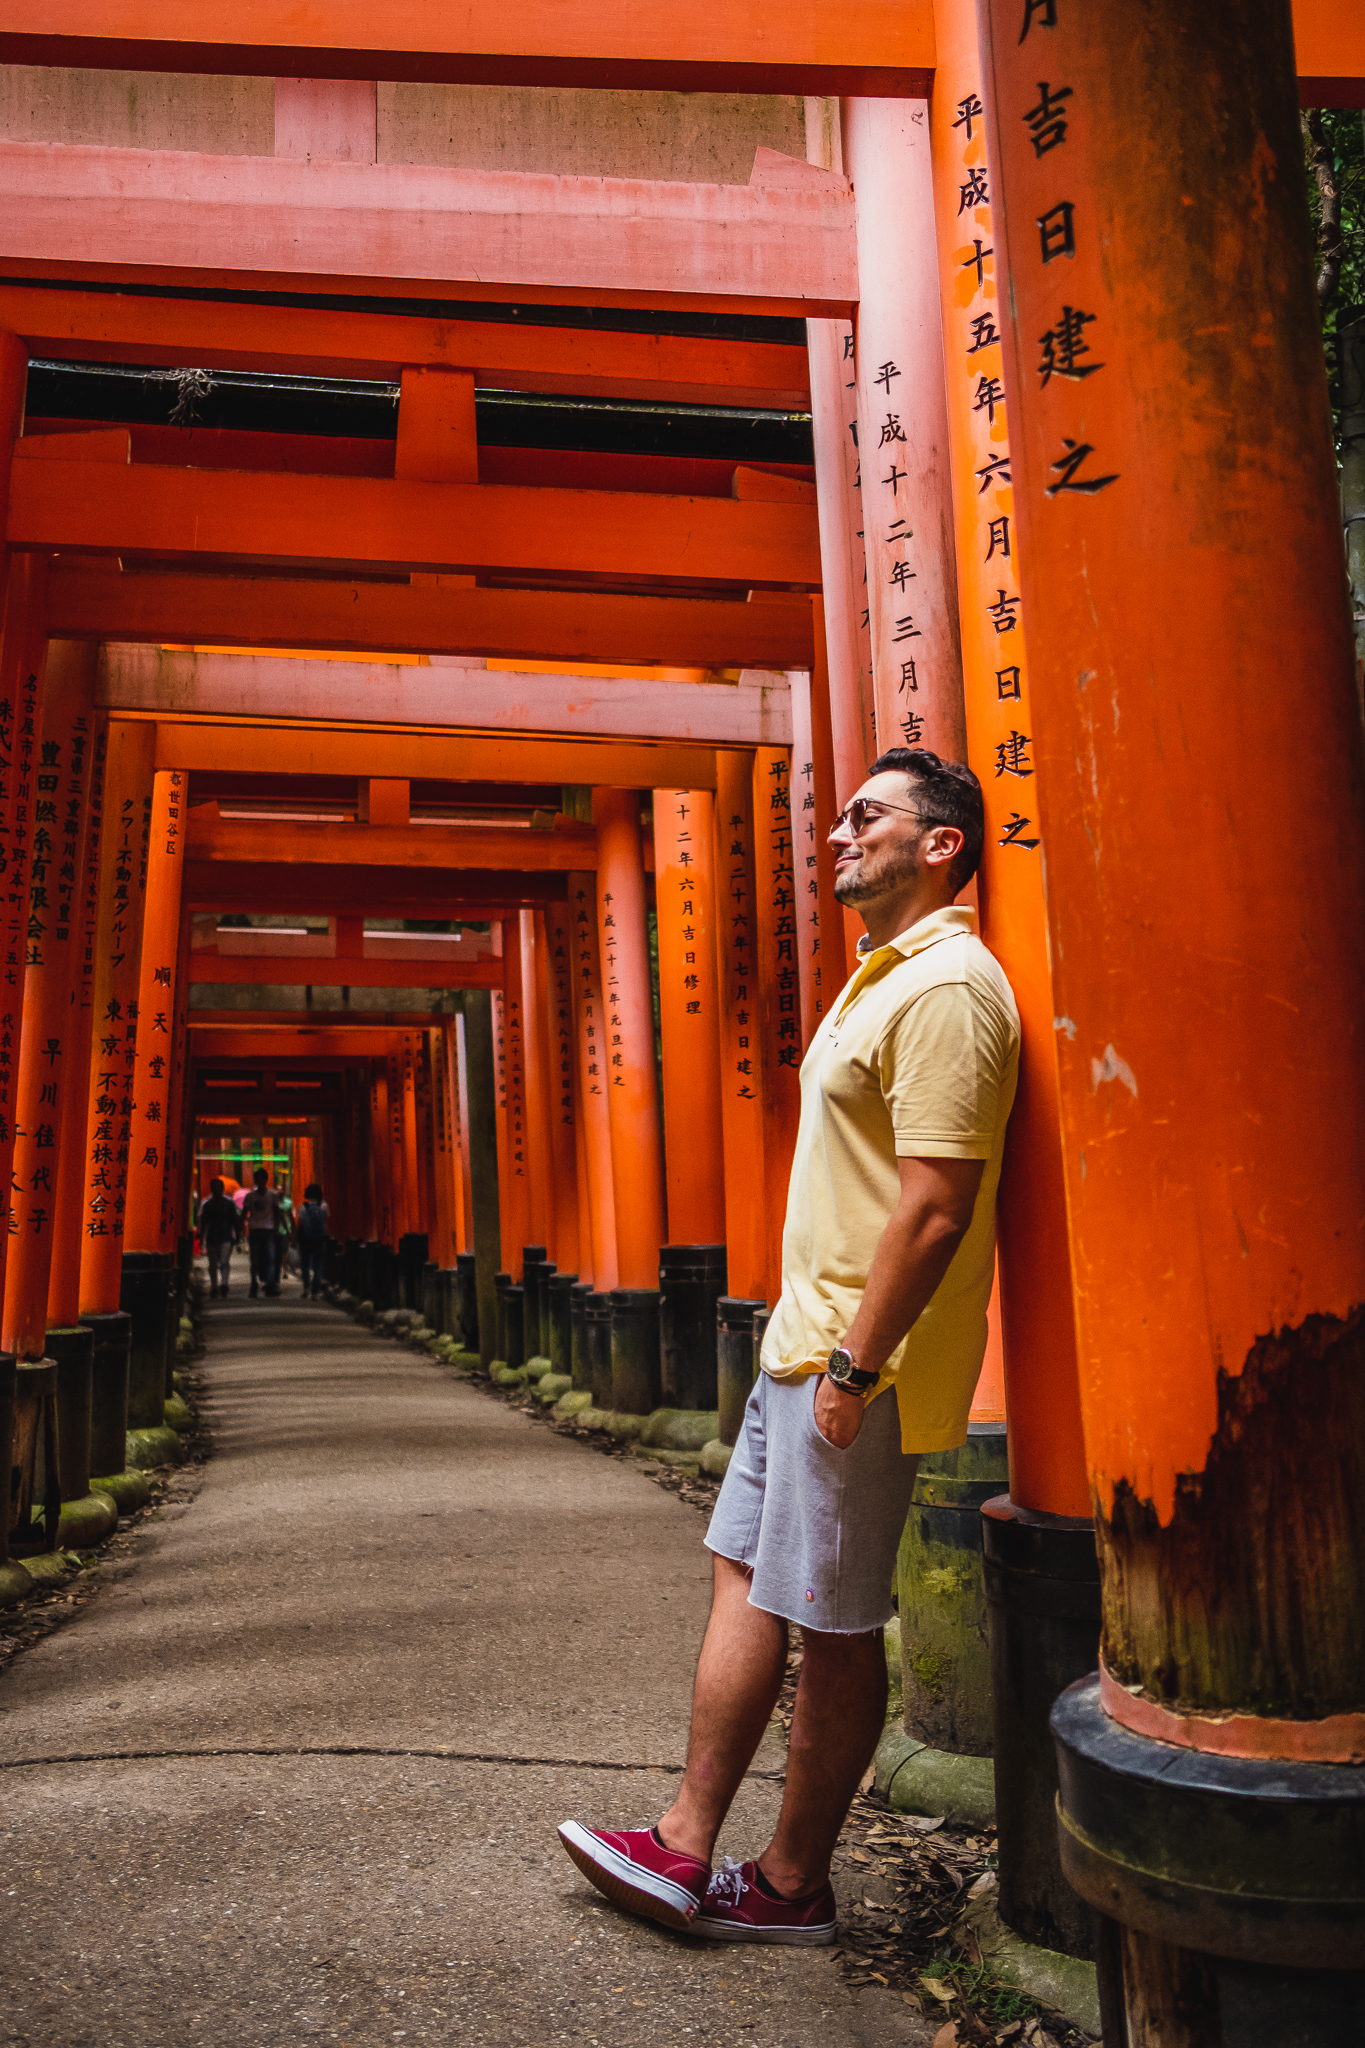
x=984, y=1993
x=1342, y=133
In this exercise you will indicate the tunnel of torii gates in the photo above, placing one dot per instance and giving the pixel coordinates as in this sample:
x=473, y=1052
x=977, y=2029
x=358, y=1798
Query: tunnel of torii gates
x=529, y=696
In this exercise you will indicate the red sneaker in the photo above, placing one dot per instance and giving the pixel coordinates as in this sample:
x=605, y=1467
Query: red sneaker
x=736, y=1909
x=634, y=1869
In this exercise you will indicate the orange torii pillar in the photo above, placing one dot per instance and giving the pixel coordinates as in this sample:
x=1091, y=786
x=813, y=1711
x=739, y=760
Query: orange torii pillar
x=124, y=859
x=381, y=1161
x=535, y=1047
x=777, y=992
x=514, y=1162
x=68, y=1235
x=685, y=901
x=457, y=1064
x=48, y=1069
x=1041, y=1568
x=1200, y=794
x=819, y=916
x=403, y=1135
x=599, y=1244
x=566, y=1151
x=147, y=1266
x=741, y=1036
x=903, y=431
x=632, y=1087
x=176, y=1174
x=838, y=482
x=444, y=1178
x=23, y=662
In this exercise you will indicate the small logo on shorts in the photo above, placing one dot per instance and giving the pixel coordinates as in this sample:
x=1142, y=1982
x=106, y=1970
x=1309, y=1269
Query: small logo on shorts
x=809, y=1593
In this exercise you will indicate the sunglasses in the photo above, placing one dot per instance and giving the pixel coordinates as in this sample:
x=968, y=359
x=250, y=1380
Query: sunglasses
x=855, y=815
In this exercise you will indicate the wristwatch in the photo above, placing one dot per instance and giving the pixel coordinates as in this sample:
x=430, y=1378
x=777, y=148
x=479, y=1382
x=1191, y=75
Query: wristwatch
x=846, y=1374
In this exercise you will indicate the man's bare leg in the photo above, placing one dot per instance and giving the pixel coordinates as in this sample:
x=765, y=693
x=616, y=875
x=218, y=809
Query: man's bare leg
x=837, y=1724
x=739, y=1676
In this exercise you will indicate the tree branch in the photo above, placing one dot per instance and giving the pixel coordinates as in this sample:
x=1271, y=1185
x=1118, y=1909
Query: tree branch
x=1323, y=167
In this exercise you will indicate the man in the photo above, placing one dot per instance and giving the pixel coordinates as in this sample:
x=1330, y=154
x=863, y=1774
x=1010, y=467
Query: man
x=263, y=1215
x=311, y=1224
x=219, y=1230
x=871, y=1358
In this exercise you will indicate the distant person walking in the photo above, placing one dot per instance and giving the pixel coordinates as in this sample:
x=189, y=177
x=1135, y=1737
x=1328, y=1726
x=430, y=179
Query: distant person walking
x=263, y=1215
x=220, y=1230
x=311, y=1225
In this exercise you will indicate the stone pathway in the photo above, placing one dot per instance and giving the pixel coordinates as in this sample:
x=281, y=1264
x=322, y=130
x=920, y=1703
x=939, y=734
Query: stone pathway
x=340, y=1701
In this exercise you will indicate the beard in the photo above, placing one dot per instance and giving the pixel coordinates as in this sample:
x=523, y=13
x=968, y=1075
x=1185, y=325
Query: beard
x=875, y=875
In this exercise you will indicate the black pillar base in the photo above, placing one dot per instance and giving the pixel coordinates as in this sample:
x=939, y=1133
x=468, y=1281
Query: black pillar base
x=691, y=1282
x=735, y=1360
x=1253, y=1869
x=1043, y=1589
x=109, y=1392
x=636, y=1366
x=147, y=1293
x=73, y=1352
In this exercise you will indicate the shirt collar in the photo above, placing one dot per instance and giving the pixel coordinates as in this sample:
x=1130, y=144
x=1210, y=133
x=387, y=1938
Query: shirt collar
x=952, y=920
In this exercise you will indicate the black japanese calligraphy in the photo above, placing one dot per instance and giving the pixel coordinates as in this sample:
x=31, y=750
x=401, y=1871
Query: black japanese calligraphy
x=1077, y=452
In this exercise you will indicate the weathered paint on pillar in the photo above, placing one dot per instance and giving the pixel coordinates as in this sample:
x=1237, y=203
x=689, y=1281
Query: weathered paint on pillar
x=741, y=1037
x=557, y=953
x=592, y=1081
x=155, y=1013
x=48, y=1071
x=535, y=1046
x=482, y=1124
x=689, y=1013
x=903, y=431
x=1199, y=779
x=631, y=1075
x=777, y=990
x=1047, y=1452
x=64, y=1282
x=124, y=860
x=515, y=1167
x=819, y=915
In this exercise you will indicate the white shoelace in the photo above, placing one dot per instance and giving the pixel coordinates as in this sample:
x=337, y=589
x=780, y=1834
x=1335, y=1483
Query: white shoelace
x=727, y=1887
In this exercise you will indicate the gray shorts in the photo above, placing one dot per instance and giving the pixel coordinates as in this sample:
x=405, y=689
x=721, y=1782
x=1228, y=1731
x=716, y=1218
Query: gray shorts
x=818, y=1527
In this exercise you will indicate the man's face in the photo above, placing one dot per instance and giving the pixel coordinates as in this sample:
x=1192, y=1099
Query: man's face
x=885, y=854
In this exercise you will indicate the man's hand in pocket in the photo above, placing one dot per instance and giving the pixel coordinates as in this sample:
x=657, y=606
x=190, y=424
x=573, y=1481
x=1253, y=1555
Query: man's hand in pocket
x=838, y=1415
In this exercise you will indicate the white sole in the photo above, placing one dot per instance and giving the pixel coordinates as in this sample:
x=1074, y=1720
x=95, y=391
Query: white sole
x=784, y=1937
x=625, y=1883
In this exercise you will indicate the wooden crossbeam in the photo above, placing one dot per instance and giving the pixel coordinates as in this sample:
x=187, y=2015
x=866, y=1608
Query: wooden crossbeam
x=92, y=601
x=785, y=247
x=351, y=522
x=254, y=1035
x=878, y=47
x=261, y=748
x=671, y=369
x=280, y=970
x=753, y=712
x=301, y=889
x=493, y=849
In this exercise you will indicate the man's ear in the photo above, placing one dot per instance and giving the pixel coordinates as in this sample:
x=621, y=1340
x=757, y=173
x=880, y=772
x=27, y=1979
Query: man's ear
x=945, y=844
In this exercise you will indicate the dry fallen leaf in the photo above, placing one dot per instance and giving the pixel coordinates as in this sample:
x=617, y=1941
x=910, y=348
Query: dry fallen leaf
x=946, y=2037
x=943, y=1992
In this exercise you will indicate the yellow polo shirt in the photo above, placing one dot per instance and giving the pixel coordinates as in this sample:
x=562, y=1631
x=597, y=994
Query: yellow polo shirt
x=918, y=1059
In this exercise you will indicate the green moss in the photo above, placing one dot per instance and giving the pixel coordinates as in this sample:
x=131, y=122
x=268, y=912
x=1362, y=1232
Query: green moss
x=147, y=1448
x=128, y=1490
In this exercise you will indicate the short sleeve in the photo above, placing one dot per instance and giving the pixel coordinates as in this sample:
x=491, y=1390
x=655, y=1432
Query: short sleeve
x=942, y=1062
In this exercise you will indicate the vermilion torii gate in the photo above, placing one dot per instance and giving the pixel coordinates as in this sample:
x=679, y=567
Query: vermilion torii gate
x=1019, y=532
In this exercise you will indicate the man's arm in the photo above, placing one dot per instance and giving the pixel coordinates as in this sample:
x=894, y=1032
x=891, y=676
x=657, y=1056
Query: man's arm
x=914, y=1252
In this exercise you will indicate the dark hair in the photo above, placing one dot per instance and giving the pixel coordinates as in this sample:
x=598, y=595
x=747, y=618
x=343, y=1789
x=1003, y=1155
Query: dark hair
x=217, y=1186
x=312, y=1193
x=262, y=1173
x=949, y=795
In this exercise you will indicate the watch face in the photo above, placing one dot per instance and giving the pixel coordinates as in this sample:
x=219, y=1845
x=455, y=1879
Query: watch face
x=840, y=1365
